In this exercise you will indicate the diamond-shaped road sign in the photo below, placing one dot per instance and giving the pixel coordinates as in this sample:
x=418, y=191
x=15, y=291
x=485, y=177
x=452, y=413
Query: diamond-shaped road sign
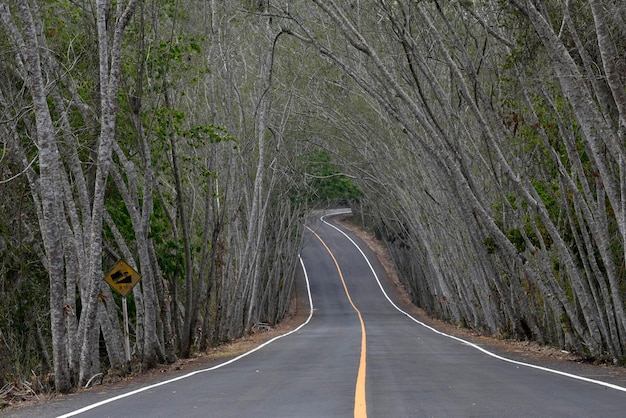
x=122, y=278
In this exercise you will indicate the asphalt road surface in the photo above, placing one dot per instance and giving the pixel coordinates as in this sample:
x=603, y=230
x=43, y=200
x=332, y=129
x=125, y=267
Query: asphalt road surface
x=358, y=355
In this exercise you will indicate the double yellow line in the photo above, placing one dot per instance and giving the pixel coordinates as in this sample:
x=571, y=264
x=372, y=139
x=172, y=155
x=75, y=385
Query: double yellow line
x=360, y=406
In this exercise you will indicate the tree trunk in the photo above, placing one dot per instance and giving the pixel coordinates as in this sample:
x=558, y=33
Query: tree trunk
x=49, y=188
x=110, y=63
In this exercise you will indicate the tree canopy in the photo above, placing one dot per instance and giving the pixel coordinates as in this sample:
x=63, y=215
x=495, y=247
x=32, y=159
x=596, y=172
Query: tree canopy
x=483, y=142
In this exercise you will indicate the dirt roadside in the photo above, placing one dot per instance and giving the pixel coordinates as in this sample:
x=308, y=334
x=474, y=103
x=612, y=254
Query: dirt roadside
x=298, y=312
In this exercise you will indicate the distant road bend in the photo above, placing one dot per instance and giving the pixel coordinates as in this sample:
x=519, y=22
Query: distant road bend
x=359, y=355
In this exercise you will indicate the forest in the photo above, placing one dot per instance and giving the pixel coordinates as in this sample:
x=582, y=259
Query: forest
x=483, y=141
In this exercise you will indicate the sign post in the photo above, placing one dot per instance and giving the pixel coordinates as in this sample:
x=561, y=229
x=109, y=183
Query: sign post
x=122, y=278
x=126, y=332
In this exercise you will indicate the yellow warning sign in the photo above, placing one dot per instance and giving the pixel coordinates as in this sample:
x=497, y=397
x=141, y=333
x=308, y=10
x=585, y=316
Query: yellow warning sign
x=122, y=278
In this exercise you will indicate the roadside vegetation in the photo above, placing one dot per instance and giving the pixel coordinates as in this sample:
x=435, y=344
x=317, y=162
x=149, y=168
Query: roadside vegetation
x=483, y=142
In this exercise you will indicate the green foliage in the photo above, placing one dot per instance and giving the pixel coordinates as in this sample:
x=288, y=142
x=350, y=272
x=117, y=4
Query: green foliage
x=169, y=249
x=23, y=291
x=181, y=52
x=173, y=122
x=515, y=236
x=201, y=134
x=325, y=183
x=116, y=208
x=167, y=63
x=490, y=245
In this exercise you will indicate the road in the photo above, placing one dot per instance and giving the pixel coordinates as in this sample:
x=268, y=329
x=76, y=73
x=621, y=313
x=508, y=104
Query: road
x=359, y=355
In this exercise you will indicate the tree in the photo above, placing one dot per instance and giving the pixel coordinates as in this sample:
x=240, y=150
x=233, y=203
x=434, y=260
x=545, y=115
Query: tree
x=51, y=188
x=450, y=93
x=482, y=142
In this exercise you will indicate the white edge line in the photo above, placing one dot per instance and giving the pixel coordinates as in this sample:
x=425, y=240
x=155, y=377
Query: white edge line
x=477, y=347
x=134, y=392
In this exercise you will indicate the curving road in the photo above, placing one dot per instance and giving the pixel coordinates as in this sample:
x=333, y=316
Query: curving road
x=358, y=355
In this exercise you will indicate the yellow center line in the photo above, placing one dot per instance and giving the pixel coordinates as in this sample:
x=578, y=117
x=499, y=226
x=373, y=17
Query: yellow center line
x=360, y=406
